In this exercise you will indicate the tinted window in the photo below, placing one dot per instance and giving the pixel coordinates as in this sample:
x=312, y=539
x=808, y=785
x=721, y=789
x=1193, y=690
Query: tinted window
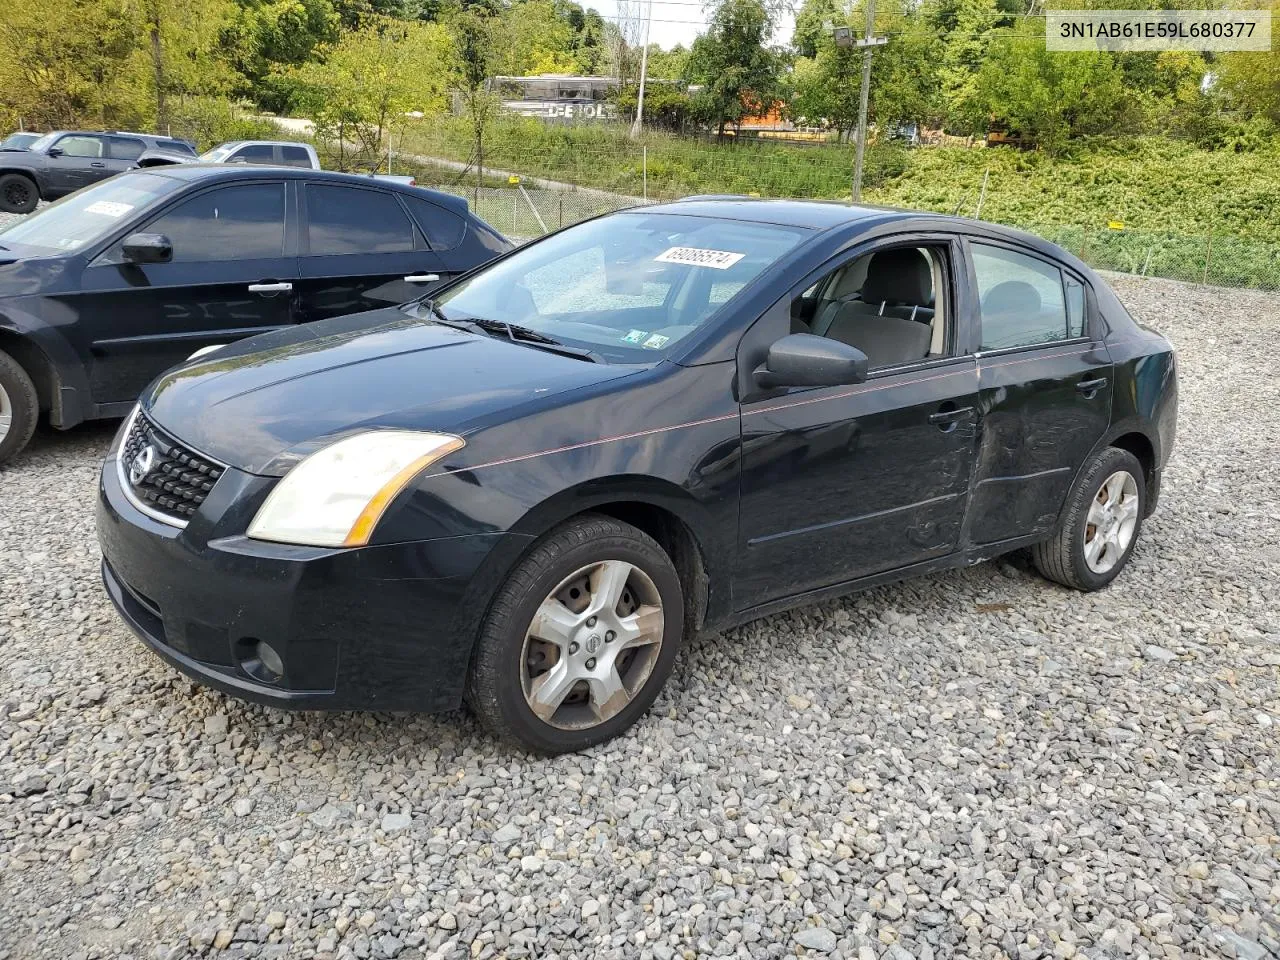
x=443, y=228
x=349, y=220
x=257, y=153
x=177, y=146
x=80, y=146
x=1022, y=299
x=296, y=156
x=1075, y=307
x=126, y=148
x=240, y=222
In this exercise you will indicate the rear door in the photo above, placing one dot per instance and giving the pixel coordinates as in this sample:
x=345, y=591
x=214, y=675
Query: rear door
x=123, y=152
x=81, y=160
x=232, y=275
x=360, y=251
x=263, y=153
x=1046, y=386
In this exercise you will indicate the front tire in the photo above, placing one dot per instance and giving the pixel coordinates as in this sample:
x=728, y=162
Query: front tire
x=18, y=193
x=19, y=407
x=579, y=640
x=1100, y=524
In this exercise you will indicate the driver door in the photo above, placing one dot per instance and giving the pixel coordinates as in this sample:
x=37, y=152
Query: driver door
x=79, y=161
x=232, y=275
x=845, y=482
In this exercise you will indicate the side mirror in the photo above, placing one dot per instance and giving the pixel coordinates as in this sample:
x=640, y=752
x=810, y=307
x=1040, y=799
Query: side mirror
x=806, y=360
x=147, y=248
x=54, y=151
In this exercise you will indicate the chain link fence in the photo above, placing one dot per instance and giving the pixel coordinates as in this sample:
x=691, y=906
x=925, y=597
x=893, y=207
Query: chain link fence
x=535, y=206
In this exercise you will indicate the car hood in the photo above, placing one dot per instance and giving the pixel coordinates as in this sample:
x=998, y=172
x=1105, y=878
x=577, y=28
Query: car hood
x=262, y=404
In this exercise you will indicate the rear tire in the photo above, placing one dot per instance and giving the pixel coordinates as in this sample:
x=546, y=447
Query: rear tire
x=579, y=640
x=19, y=407
x=18, y=193
x=1100, y=523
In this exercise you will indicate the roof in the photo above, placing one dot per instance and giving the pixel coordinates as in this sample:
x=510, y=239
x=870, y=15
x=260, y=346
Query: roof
x=815, y=214
x=820, y=215
x=192, y=172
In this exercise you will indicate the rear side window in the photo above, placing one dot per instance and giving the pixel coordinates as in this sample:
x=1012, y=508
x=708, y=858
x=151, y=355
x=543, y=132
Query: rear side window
x=126, y=148
x=443, y=228
x=351, y=220
x=177, y=146
x=241, y=222
x=1075, y=307
x=1022, y=299
x=255, y=153
x=295, y=157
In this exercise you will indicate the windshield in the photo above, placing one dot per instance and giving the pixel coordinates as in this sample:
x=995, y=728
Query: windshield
x=44, y=143
x=218, y=154
x=88, y=214
x=629, y=287
x=18, y=141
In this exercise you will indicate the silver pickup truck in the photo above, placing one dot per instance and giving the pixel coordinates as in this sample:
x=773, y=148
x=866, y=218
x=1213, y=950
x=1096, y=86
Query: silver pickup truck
x=277, y=153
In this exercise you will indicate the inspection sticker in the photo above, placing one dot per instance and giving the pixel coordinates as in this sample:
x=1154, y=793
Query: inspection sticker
x=109, y=208
x=635, y=336
x=697, y=257
x=656, y=342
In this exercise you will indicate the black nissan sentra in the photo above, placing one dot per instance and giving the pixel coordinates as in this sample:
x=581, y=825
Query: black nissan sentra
x=529, y=491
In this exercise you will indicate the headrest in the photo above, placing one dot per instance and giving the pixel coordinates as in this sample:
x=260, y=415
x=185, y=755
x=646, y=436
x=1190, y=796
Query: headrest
x=1011, y=297
x=899, y=276
x=851, y=279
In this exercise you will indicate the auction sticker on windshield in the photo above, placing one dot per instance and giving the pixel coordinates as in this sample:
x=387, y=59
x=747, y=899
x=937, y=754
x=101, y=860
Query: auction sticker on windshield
x=635, y=336
x=697, y=257
x=109, y=208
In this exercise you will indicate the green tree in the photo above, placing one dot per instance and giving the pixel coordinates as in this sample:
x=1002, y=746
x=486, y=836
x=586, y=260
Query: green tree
x=965, y=28
x=475, y=35
x=1048, y=96
x=361, y=90
x=738, y=73
x=270, y=34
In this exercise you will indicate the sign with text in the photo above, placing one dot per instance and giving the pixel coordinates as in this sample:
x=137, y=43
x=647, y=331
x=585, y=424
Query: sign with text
x=1156, y=30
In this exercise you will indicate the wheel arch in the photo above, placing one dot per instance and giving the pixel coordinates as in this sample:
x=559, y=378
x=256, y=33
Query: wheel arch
x=659, y=508
x=38, y=366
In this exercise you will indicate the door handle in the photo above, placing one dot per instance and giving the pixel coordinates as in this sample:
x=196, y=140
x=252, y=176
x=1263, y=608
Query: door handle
x=946, y=417
x=422, y=278
x=97, y=163
x=1091, y=387
x=270, y=287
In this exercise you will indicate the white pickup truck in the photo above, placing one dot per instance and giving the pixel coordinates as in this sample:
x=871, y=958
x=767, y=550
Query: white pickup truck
x=277, y=153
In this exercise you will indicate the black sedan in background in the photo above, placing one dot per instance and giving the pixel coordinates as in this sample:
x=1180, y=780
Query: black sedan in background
x=530, y=490
x=108, y=287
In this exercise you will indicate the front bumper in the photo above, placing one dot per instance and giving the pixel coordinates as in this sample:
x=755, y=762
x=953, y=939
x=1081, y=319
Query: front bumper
x=385, y=627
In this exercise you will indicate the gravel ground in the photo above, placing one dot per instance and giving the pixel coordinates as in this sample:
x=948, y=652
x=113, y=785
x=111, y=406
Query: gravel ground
x=978, y=763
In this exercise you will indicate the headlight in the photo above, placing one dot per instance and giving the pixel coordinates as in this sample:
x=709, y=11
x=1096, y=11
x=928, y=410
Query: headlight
x=335, y=497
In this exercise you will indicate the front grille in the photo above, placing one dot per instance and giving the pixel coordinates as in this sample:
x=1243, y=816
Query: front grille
x=171, y=479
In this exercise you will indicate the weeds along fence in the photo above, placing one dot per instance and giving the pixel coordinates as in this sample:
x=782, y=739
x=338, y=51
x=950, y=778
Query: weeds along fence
x=523, y=213
x=568, y=176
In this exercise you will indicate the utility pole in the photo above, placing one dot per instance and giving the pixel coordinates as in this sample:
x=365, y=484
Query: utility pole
x=638, y=123
x=844, y=38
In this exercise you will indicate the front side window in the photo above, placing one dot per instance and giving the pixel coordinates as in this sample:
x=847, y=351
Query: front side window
x=240, y=222
x=1022, y=299
x=350, y=220
x=629, y=287
x=80, y=146
x=890, y=304
x=87, y=215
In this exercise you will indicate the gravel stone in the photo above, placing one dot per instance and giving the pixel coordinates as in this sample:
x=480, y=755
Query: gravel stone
x=973, y=764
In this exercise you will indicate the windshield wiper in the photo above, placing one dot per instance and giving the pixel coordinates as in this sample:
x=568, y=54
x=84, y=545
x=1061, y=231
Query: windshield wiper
x=535, y=338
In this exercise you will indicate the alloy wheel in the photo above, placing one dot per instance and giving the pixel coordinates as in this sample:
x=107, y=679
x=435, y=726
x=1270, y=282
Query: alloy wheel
x=6, y=413
x=17, y=194
x=592, y=644
x=1110, y=524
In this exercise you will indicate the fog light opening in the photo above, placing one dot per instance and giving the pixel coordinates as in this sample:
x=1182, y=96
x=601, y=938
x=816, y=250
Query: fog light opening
x=260, y=660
